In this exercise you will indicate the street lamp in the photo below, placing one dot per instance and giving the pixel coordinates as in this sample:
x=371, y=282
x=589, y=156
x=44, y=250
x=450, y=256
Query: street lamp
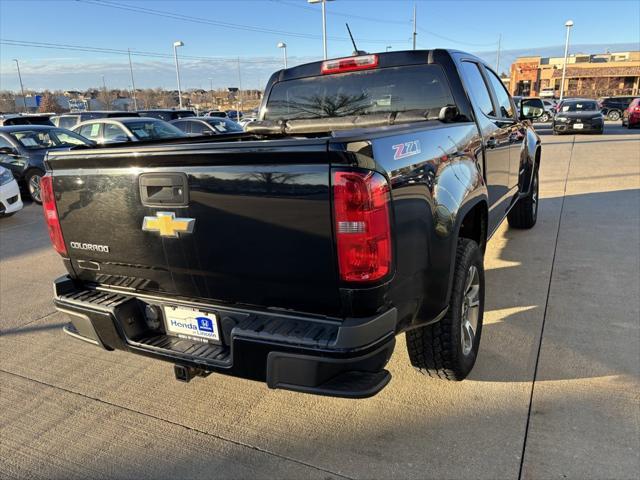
x=324, y=24
x=211, y=90
x=175, y=56
x=284, y=47
x=388, y=48
x=106, y=95
x=24, y=99
x=568, y=24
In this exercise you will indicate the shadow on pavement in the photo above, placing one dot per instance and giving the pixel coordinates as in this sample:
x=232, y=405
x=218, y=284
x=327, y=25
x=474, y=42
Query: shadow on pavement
x=31, y=329
x=500, y=368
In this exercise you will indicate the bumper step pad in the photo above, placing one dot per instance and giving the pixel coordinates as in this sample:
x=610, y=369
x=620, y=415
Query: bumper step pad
x=203, y=352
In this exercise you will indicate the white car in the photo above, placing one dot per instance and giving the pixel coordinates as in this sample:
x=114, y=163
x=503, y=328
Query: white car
x=246, y=121
x=547, y=93
x=10, y=201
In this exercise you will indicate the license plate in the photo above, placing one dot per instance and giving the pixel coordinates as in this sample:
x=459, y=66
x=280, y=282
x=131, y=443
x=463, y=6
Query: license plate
x=192, y=323
x=578, y=126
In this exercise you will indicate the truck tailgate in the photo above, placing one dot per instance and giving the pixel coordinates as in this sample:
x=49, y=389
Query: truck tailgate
x=260, y=222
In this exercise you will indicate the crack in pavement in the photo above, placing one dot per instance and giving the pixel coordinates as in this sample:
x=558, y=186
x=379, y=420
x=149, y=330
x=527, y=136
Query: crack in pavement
x=235, y=442
x=544, y=315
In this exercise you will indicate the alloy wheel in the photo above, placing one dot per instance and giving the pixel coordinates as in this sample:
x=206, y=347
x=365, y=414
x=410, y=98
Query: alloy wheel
x=34, y=187
x=470, y=310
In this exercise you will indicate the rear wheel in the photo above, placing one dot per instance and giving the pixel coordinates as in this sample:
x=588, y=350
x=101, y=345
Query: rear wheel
x=613, y=115
x=524, y=213
x=448, y=349
x=33, y=185
x=545, y=117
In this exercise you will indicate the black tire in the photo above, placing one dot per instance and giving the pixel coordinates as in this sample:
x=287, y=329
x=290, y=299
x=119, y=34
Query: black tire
x=524, y=213
x=32, y=180
x=442, y=349
x=613, y=115
x=6, y=215
x=545, y=117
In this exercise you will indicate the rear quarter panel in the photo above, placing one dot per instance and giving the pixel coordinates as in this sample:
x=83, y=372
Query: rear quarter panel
x=434, y=175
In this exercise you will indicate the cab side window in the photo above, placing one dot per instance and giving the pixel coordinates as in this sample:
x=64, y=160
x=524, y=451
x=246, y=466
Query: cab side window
x=197, y=128
x=478, y=88
x=114, y=133
x=91, y=131
x=504, y=103
x=184, y=126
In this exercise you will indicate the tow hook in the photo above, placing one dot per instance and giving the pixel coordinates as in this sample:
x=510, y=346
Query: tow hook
x=186, y=374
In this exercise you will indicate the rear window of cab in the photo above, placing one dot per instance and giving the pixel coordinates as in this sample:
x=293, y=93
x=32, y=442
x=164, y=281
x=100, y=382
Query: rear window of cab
x=366, y=92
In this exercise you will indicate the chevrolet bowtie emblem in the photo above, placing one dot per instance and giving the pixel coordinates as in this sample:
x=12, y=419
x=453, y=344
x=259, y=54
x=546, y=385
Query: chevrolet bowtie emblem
x=168, y=225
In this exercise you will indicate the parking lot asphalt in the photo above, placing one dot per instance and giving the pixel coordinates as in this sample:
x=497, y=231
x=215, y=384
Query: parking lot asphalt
x=554, y=394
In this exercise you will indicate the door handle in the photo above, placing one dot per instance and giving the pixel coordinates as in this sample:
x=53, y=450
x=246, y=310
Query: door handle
x=164, y=189
x=492, y=143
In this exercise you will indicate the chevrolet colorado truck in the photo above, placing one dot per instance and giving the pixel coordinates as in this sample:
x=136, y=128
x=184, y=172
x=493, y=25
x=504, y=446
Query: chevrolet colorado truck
x=356, y=208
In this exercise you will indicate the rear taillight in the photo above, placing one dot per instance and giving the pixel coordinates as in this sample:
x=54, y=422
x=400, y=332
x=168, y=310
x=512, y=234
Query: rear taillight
x=363, y=234
x=51, y=214
x=349, y=64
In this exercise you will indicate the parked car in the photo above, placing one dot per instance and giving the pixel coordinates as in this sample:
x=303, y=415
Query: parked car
x=631, y=115
x=234, y=115
x=195, y=126
x=246, y=121
x=24, y=119
x=578, y=116
x=547, y=93
x=167, y=114
x=215, y=113
x=23, y=148
x=10, y=201
x=126, y=129
x=295, y=253
x=70, y=120
x=612, y=107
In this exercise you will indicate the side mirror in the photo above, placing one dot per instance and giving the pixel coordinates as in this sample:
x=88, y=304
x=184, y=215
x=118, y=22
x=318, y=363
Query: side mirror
x=8, y=151
x=531, y=108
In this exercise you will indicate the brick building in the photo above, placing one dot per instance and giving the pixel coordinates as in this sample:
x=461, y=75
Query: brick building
x=590, y=76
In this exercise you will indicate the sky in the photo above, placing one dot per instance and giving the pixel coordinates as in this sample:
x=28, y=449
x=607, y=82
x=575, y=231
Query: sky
x=216, y=33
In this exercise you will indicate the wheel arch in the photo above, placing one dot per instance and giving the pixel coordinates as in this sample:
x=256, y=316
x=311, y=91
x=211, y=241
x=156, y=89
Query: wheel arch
x=472, y=223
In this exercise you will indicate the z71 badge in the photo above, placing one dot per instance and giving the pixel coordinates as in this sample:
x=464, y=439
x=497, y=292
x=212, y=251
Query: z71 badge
x=406, y=149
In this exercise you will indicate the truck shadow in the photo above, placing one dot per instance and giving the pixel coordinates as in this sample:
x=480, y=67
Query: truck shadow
x=593, y=305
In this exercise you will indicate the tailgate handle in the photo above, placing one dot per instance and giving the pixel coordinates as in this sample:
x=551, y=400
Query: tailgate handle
x=164, y=189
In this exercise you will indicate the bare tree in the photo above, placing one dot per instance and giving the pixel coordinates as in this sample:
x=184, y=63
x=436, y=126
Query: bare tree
x=49, y=104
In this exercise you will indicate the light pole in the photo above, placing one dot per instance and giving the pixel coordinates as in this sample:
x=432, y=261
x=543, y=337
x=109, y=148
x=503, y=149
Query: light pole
x=211, y=90
x=324, y=24
x=106, y=95
x=24, y=99
x=175, y=56
x=133, y=84
x=388, y=48
x=568, y=24
x=284, y=47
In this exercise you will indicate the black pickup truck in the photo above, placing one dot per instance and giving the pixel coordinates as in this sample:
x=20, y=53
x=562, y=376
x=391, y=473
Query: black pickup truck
x=356, y=208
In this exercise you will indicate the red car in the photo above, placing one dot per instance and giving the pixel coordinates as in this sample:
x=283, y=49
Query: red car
x=631, y=116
